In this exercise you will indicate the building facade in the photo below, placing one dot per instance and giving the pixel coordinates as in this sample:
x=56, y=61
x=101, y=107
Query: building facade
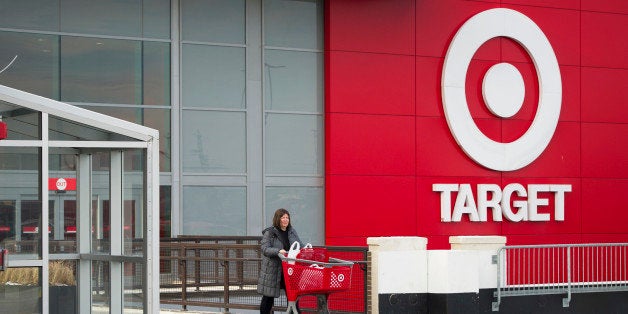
x=363, y=118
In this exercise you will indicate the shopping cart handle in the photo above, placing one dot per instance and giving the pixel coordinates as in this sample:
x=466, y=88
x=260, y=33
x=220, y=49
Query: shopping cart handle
x=332, y=261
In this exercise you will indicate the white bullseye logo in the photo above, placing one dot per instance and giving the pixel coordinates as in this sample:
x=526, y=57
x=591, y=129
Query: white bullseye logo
x=503, y=89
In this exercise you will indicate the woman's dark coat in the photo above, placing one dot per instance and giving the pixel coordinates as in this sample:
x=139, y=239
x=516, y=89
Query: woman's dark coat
x=270, y=274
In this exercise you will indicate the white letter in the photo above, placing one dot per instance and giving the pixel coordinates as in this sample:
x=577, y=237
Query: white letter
x=522, y=205
x=484, y=203
x=559, y=200
x=465, y=204
x=534, y=202
x=445, y=199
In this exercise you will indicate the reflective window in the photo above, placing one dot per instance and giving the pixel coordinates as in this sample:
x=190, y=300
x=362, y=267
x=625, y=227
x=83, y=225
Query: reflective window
x=115, y=71
x=63, y=200
x=34, y=14
x=156, y=19
x=304, y=205
x=214, y=142
x=295, y=24
x=165, y=211
x=209, y=210
x=101, y=215
x=20, y=205
x=133, y=203
x=104, y=17
x=64, y=130
x=213, y=77
x=8, y=226
x=293, y=81
x=294, y=144
x=159, y=119
x=156, y=73
x=18, y=158
x=31, y=223
x=218, y=21
x=101, y=287
x=132, y=288
x=101, y=70
x=30, y=63
x=148, y=18
x=62, y=159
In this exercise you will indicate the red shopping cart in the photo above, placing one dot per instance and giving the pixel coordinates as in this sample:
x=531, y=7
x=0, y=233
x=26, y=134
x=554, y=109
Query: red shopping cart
x=320, y=276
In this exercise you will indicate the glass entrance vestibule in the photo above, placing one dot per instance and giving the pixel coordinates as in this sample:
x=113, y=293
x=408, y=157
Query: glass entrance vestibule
x=79, y=210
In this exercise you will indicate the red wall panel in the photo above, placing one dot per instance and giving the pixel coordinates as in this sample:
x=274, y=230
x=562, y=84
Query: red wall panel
x=371, y=26
x=436, y=242
x=604, y=206
x=612, y=6
x=362, y=206
x=604, y=95
x=605, y=151
x=605, y=238
x=371, y=83
x=428, y=98
x=438, y=21
x=359, y=240
x=532, y=239
x=604, y=41
x=570, y=107
x=355, y=140
x=563, y=4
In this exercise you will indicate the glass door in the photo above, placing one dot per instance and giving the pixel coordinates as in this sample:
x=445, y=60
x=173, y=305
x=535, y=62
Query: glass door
x=63, y=222
x=111, y=206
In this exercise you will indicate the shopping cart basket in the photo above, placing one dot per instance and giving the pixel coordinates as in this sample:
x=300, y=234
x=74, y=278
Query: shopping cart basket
x=314, y=277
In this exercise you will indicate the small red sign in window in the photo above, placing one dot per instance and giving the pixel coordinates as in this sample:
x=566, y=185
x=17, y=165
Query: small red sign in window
x=33, y=229
x=61, y=184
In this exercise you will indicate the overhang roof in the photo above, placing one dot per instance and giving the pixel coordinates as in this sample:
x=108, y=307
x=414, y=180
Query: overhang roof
x=69, y=112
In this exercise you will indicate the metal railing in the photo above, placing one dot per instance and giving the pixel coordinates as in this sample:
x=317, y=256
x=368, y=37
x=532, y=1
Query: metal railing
x=561, y=268
x=222, y=272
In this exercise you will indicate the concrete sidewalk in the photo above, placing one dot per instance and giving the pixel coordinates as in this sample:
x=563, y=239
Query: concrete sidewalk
x=202, y=310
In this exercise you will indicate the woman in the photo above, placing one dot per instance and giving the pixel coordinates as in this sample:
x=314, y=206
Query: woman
x=277, y=239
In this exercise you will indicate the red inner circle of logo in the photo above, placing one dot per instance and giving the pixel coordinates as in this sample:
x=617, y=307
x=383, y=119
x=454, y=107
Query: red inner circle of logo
x=497, y=50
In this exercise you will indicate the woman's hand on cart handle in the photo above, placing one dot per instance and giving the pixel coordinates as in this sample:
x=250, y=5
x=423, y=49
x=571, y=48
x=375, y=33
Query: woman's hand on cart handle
x=282, y=251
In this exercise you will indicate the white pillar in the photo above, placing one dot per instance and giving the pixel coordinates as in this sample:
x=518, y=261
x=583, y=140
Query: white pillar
x=398, y=265
x=485, y=247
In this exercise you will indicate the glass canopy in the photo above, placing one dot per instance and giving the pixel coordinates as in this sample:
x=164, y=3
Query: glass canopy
x=92, y=182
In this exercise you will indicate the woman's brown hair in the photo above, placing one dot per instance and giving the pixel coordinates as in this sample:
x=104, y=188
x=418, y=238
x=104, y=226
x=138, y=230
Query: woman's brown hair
x=277, y=218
